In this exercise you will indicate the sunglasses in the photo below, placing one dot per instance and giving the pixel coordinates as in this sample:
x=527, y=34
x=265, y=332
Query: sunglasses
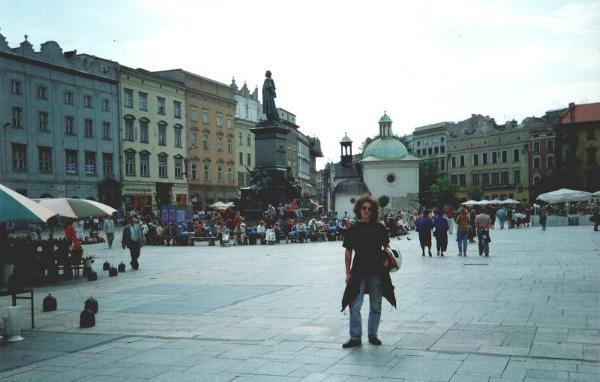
x=366, y=208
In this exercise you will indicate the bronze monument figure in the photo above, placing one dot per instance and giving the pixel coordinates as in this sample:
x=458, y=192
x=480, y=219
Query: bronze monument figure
x=269, y=96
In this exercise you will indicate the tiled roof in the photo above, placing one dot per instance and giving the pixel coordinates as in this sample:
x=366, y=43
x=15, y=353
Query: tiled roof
x=581, y=113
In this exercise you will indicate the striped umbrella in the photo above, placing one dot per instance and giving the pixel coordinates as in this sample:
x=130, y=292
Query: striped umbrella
x=15, y=207
x=76, y=208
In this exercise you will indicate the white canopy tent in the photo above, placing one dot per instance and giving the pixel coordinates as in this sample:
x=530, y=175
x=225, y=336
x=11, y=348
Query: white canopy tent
x=510, y=201
x=470, y=203
x=565, y=195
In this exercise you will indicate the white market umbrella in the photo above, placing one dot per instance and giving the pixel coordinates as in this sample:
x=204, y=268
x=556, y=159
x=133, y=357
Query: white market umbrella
x=17, y=208
x=470, y=203
x=76, y=208
x=565, y=195
x=510, y=201
x=483, y=202
x=596, y=194
x=494, y=201
x=218, y=204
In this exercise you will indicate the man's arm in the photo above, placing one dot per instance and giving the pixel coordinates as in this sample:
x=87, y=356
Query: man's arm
x=348, y=263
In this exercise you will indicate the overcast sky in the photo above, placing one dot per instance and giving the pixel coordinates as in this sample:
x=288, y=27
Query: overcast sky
x=339, y=64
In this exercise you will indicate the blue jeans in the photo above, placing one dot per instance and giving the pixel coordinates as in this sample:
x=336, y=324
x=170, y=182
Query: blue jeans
x=373, y=284
x=484, y=246
x=462, y=237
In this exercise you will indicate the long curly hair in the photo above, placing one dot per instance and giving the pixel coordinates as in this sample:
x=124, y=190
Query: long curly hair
x=374, y=205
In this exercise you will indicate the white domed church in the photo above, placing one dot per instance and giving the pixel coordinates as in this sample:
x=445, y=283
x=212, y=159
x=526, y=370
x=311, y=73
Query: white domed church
x=385, y=167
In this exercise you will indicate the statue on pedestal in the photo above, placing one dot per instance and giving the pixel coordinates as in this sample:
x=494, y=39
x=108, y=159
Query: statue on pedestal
x=269, y=96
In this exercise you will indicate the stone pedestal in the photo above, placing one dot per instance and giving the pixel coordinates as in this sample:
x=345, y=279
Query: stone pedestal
x=271, y=146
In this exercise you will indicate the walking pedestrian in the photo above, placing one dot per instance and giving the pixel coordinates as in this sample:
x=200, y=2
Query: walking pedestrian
x=462, y=231
x=450, y=214
x=483, y=224
x=472, y=233
x=424, y=227
x=440, y=223
x=596, y=216
x=132, y=239
x=543, y=216
x=501, y=215
x=366, y=238
x=109, y=231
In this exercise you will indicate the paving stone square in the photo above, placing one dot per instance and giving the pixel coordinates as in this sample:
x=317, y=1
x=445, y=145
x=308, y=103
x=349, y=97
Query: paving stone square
x=529, y=312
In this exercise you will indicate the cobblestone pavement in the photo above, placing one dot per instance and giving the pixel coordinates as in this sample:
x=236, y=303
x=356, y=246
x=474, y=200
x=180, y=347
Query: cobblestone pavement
x=272, y=313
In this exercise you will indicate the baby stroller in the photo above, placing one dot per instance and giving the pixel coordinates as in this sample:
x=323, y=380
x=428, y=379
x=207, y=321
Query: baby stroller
x=226, y=240
x=270, y=236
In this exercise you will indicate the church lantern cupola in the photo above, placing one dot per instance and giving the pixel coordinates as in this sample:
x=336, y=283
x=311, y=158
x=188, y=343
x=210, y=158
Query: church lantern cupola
x=346, y=151
x=385, y=126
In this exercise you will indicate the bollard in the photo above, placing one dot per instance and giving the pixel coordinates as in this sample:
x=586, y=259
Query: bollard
x=14, y=324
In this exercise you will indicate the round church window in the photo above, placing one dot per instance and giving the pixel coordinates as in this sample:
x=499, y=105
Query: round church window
x=391, y=178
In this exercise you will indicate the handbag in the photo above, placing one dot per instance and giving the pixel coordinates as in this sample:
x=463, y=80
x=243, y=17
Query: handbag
x=391, y=260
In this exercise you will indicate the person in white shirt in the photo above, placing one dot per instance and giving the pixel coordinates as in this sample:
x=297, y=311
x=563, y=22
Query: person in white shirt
x=109, y=231
x=261, y=231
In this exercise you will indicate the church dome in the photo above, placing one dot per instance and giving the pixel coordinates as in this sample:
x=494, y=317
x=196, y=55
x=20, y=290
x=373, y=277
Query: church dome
x=386, y=148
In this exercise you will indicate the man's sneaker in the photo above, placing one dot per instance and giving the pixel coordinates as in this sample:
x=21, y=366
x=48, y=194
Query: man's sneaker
x=351, y=344
x=374, y=341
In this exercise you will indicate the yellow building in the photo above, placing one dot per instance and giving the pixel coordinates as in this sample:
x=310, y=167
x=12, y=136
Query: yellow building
x=211, y=134
x=153, y=134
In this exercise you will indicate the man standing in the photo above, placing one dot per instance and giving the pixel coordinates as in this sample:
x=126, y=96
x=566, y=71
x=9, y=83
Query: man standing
x=132, y=239
x=483, y=224
x=366, y=238
x=543, y=216
x=596, y=216
x=109, y=231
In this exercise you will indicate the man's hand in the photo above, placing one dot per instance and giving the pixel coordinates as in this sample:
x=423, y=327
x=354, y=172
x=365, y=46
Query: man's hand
x=348, y=278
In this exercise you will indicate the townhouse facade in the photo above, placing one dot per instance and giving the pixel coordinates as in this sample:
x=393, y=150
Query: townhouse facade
x=211, y=109
x=430, y=142
x=247, y=114
x=59, y=115
x=154, y=140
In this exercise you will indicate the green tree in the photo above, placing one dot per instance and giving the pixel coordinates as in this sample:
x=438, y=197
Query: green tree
x=428, y=175
x=365, y=144
x=383, y=201
x=443, y=192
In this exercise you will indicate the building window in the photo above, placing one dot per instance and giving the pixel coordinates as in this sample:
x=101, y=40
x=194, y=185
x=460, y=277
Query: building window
x=484, y=158
x=106, y=131
x=443, y=164
x=219, y=120
x=241, y=159
x=130, y=163
x=45, y=159
x=71, y=162
x=536, y=147
x=161, y=105
x=128, y=98
x=143, y=101
x=205, y=118
x=107, y=164
x=453, y=161
x=590, y=153
x=536, y=180
x=536, y=162
x=241, y=179
x=462, y=180
x=495, y=178
x=144, y=164
x=550, y=161
x=504, y=156
x=436, y=150
x=240, y=138
x=177, y=109
x=17, y=117
x=162, y=135
x=179, y=168
x=89, y=128
x=249, y=160
x=517, y=177
x=68, y=97
x=19, y=157
x=485, y=179
x=442, y=149
x=430, y=151
x=162, y=166
x=550, y=146
x=178, y=137
x=194, y=115
x=249, y=140
x=590, y=133
x=205, y=141
x=220, y=174
x=105, y=105
x=516, y=157
x=219, y=144
x=194, y=171
x=69, y=126
x=43, y=117
x=87, y=101
x=475, y=179
x=494, y=157
x=475, y=159
x=454, y=179
x=144, y=131
x=229, y=145
x=206, y=175
x=129, y=132
x=90, y=163
x=229, y=123
x=418, y=152
x=42, y=92
x=504, y=177
x=229, y=174
x=15, y=87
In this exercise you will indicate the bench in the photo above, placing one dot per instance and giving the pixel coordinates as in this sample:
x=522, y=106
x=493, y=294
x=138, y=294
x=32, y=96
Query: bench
x=15, y=297
x=210, y=239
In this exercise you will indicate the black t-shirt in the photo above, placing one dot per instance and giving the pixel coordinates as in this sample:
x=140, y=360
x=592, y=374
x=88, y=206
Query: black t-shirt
x=367, y=241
